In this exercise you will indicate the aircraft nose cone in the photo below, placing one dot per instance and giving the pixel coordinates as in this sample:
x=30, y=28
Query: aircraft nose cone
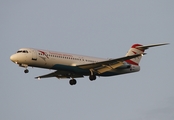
x=12, y=58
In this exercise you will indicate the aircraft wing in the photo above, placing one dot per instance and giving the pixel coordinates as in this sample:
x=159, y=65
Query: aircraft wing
x=60, y=75
x=104, y=66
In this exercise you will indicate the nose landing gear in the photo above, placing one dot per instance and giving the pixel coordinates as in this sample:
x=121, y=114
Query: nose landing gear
x=25, y=66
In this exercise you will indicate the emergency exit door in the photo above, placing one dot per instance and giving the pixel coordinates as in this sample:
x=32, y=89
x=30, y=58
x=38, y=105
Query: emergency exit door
x=34, y=55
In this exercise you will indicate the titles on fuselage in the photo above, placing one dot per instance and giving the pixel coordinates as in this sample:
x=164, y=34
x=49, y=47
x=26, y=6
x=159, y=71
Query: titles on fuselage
x=64, y=56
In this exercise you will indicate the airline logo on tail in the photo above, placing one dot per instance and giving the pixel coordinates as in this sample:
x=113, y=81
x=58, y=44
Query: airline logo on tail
x=139, y=49
x=132, y=51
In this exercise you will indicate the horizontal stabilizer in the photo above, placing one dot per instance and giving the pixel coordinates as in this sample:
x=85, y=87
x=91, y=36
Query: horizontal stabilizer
x=153, y=45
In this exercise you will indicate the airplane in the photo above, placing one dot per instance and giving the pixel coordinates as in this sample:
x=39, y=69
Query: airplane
x=73, y=66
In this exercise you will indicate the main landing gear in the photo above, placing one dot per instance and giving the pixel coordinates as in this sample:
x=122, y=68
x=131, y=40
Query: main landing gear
x=72, y=82
x=26, y=71
x=92, y=77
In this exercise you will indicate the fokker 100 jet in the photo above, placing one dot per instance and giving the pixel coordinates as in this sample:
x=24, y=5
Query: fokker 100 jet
x=76, y=66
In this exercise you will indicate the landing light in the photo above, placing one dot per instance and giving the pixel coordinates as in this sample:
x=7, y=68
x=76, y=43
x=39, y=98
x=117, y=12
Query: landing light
x=143, y=54
x=73, y=64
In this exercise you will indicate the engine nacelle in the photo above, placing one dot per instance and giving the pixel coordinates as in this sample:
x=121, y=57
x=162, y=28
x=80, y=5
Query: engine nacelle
x=124, y=66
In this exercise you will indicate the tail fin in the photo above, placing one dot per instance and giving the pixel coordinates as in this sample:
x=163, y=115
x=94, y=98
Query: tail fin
x=139, y=49
x=132, y=51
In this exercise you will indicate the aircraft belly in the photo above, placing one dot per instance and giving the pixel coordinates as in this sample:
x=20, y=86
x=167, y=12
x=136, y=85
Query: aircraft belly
x=72, y=69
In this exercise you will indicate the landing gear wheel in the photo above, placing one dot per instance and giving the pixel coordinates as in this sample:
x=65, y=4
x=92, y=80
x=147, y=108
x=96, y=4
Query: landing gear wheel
x=72, y=82
x=26, y=71
x=92, y=77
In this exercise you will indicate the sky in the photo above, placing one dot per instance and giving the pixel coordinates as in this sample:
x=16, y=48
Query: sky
x=100, y=28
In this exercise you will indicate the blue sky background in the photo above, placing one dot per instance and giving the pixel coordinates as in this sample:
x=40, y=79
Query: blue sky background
x=101, y=28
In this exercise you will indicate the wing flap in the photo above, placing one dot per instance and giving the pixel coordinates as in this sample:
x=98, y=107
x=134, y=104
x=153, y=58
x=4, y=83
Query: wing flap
x=109, y=67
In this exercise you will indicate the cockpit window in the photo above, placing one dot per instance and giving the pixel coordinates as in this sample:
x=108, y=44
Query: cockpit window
x=25, y=51
x=22, y=51
x=19, y=51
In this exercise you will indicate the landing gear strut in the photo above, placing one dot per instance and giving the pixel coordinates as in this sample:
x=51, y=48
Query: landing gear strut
x=72, y=82
x=92, y=76
x=26, y=71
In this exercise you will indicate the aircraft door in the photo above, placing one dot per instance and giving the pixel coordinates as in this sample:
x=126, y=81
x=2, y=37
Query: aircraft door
x=34, y=55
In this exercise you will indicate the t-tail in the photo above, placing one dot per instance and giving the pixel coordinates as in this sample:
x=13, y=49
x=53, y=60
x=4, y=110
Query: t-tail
x=139, y=49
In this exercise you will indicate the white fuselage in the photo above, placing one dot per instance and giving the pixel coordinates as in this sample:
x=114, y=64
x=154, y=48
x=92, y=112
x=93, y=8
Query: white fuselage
x=63, y=61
